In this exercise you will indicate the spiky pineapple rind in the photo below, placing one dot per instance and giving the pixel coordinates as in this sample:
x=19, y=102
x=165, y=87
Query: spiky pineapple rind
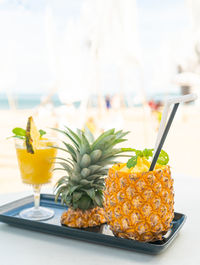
x=83, y=219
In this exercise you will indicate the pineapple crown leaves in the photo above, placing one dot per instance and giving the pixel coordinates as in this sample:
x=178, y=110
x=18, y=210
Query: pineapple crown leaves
x=82, y=187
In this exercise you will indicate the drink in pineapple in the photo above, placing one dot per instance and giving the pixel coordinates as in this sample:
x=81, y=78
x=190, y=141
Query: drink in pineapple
x=36, y=169
x=139, y=204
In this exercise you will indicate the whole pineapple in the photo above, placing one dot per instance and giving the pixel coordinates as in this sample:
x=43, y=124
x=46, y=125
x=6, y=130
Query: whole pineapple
x=81, y=187
x=139, y=204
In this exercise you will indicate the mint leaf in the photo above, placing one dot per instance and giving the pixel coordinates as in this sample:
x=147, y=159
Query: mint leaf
x=139, y=153
x=19, y=137
x=42, y=133
x=132, y=162
x=147, y=153
x=19, y=131
x=163, y=158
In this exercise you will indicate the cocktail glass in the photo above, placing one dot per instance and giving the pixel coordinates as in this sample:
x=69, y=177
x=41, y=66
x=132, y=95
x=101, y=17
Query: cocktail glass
x=36, y=170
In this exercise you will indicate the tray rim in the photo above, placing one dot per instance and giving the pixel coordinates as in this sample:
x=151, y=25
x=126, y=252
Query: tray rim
x=73, y=232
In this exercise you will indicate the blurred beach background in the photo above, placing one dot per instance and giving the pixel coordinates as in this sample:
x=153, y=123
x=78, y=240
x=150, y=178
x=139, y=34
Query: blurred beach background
x=101, y=64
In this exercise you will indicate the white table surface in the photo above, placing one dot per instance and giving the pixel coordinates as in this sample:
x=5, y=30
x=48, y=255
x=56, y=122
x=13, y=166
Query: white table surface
x=23, y=247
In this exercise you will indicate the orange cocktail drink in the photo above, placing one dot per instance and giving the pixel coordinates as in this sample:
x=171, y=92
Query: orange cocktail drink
x=36, y=169
x=36, y=156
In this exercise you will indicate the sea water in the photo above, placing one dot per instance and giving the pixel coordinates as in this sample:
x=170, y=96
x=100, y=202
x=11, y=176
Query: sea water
x=28, y=101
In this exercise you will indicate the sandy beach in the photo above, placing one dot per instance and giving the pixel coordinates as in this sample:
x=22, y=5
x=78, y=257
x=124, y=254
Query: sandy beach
x=182, y=144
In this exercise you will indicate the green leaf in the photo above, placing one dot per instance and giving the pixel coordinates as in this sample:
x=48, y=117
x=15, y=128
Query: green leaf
x=128, y=149
x=72, y=139
x=139, y=153
x=78, y=156
x=72, y=189
x=68, y=160
x=94, y=168
x=85, y=146
x=106, y=142
x=69, y=136
x=75, y=205
x=97, y=186
x=59, y=192
x=84, y=202
x=63, y=181
x=121, y=134
x=17, y=136
x=65, y=150
x=19, y=131
x=98, y=199
x=115, y=141
x=132, y=162
x=76, y=168
x=42, y=132
x=74, y=135
x=85, y=161
x=66, y=166
x=100, y=182
x=90, y=193
x=163, y=158
x=58, y=168
x=106, y=162
x=101, y=137
x=85, y=172
x=76, y=196
x=71, y=150
x=103, y=171
x=79, y=133
x=84, y=182
x=67, y=199
x=147, y=153
x=76, y=177
x=111, y=152
x=89, y=135
x=94, y=177
x=95, y=155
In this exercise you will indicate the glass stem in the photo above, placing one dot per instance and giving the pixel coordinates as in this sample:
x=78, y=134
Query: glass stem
x=36, y=191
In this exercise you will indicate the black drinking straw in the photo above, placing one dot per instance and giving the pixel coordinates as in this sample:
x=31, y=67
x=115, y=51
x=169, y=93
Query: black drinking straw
x=155, y=158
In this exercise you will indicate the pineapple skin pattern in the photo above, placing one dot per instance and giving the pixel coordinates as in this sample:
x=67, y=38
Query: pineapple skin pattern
x=139, y=206
x=83, y=219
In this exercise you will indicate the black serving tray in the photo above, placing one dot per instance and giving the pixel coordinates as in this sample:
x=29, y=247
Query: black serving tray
x=9, y=214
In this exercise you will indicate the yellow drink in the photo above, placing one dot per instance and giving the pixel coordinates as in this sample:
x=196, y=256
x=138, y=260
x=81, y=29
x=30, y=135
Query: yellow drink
x=36, y=168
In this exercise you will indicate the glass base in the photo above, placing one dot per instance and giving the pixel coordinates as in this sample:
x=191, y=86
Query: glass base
x=37, y=214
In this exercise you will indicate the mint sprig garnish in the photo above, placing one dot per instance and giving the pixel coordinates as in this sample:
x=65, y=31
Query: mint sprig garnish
x=163, y=158
x=42, y=132
x=20, y=133
x=132, y=162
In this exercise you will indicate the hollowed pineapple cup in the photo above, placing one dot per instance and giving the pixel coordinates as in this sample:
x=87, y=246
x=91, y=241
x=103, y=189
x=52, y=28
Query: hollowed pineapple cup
x=139, y=206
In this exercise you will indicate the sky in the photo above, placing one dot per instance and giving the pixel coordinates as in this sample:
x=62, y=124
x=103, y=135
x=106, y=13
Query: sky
x=27, y=63
x=160, y=24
